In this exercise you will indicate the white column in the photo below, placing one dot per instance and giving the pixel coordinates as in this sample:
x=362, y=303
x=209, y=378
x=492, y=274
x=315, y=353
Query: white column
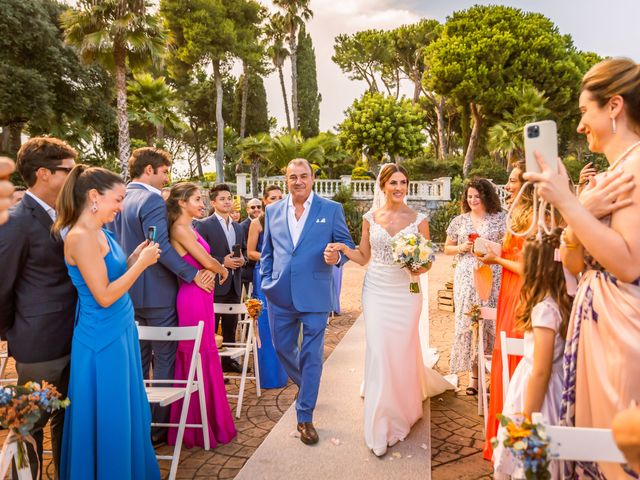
x=241, y=181
x=446, y=188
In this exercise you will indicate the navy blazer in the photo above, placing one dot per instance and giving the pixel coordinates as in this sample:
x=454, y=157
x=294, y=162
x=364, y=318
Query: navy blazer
x=298, y=275
x=247, y=271
x=213, y=234
x=157, y=287
x=37, y=298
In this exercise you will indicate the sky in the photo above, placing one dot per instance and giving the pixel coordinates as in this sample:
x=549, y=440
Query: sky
x=609, y=28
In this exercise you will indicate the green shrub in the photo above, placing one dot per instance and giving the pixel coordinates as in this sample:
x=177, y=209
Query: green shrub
x=486, y=167
x=441, y=219
x=352, y=212
x=360, y=173
x=423, y=168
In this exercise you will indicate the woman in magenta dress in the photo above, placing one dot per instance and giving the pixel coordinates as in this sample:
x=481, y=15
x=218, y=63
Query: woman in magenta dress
x=194, y=304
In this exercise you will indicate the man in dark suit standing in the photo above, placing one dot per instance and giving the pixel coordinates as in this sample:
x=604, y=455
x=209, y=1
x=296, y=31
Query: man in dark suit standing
x=223, y=236
x=254, y=209
x=154, y=293
x=37, y=298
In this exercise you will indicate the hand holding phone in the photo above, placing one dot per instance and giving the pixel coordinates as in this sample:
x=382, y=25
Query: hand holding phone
x=151, y=234
x=543, y=138
x=236, y=251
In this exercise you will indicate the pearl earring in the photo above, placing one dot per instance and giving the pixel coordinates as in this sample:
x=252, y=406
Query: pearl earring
x=94, y=207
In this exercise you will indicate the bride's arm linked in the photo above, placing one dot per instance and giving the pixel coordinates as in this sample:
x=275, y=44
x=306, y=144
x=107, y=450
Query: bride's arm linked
x=362, y=253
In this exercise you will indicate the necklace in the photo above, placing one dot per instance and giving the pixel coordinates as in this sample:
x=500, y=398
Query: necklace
x=622, y=157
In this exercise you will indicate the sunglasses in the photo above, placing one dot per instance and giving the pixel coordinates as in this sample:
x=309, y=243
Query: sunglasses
x=254, y=207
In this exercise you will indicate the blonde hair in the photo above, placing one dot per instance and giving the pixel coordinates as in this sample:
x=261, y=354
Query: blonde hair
x=616, y=76
x=72, y=199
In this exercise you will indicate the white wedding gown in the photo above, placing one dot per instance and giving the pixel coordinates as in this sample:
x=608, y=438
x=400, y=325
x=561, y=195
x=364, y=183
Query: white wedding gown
x=396, y=377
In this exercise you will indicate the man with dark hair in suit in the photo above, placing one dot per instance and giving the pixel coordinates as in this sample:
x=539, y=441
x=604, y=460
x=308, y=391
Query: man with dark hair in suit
x=37, y=298
x=154, y=293
x=254, y=210
x=222, y=235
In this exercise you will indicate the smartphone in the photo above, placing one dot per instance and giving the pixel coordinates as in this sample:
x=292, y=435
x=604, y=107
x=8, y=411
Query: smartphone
x=543, y=138
x=151, y=234
x=236, y=250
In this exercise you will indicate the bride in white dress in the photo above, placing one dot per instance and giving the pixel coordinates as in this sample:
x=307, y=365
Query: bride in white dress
x=396, y=379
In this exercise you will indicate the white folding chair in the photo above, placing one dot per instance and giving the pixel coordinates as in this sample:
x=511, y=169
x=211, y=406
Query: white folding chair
x=580, y=444
x=509, y=346
x=246, y=345
x=487, y=314
x=169, y=393
x=4, y=358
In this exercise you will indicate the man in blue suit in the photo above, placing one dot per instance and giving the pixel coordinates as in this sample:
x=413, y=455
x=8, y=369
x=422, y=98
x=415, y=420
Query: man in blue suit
x=297, y=281
x=154, y=293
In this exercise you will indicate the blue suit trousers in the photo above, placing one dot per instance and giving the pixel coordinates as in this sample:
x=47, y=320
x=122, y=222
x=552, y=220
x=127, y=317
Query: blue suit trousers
x=303, y=366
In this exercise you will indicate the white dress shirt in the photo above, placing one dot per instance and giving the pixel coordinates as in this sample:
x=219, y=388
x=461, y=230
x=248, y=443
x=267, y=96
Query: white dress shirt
x=151, y=188
x=229, y=231
x=47, y=208
x=297, y=225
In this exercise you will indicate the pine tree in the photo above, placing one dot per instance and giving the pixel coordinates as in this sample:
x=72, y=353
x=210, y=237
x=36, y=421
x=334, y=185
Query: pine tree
x=308, y=96
x=257, y=120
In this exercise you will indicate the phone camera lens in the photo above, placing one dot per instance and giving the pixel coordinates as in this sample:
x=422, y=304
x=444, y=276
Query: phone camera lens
x=533, y=131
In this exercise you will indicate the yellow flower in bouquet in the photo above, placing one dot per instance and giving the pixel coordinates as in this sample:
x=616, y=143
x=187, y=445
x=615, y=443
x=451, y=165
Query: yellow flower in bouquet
x=413, y=252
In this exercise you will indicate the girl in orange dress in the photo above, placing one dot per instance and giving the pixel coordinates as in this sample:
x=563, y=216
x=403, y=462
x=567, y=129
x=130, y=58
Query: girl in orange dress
x=512, y=269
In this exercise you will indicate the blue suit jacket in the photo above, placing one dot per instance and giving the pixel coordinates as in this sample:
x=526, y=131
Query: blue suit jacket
x=299, y=276
x=157, y=286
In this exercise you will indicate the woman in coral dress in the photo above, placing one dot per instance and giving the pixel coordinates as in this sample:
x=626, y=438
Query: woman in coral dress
x=511, y=284
x=193, y=305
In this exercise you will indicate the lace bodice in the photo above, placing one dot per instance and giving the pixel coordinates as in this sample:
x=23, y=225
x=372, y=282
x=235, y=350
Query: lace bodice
x=380, y=239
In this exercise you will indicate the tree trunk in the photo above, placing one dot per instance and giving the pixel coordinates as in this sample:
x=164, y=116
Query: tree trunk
x=196, y=141
x=124, y=142
x=284, y=96
x=417, y=88
x=219, y=124
x=473, y=139
x=160, y=132
x=245, y=96
x=15, y=137
x=4, y=139
x=442, y=141
x=255, y=174
x=294, y=77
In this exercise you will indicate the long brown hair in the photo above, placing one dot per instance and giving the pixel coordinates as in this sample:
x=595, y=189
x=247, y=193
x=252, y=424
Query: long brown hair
x=521, y=218
x=488, y=196
x=179, y=192
x=543, y=276
x=72, y=199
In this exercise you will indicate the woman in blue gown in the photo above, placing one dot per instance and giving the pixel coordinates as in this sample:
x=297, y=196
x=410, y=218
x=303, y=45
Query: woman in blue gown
x=272, y=374
x=107, y=430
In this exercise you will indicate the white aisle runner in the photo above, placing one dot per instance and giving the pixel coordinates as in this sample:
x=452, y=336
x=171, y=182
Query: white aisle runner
x=341, y=452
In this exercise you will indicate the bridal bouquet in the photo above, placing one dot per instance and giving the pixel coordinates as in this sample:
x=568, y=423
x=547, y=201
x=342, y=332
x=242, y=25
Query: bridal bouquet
x=413, y=252
x=21, y=406
x=254, y=309
x=528, y=443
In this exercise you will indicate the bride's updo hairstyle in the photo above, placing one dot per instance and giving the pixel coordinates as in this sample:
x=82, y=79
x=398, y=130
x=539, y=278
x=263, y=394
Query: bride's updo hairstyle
x=388, y=170
x=616, y=76
x=180, y=191
x=72, y=199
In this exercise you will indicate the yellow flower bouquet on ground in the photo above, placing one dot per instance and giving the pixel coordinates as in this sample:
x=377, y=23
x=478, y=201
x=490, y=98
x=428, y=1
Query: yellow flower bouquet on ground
x=413, y=252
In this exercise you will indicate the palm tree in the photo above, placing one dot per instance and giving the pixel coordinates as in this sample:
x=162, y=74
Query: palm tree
x=253, y=151
x=152, y=105
x=278, y=53
x=115, y=33
x=293, y=145
x=505, y=138
x=296, y=12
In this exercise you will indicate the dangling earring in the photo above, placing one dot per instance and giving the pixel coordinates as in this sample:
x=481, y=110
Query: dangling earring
x=94, y=207
x=614, y=127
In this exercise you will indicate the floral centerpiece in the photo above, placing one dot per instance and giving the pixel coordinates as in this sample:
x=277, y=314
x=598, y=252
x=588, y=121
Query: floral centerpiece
x=21, y=406
x=254, y=309
x=413, y=252
x=528, y=443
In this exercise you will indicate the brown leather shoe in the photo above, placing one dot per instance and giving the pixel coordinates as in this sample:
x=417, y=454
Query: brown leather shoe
x=308, y=434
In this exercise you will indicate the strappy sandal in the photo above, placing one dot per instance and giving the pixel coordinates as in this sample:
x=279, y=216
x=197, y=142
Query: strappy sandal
x=471, y=390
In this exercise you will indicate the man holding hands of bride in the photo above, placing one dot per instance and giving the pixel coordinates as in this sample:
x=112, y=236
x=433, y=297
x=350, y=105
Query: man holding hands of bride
x=297, y=281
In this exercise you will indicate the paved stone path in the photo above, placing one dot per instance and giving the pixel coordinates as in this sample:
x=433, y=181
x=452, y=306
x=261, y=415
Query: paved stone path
x=456, y=428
